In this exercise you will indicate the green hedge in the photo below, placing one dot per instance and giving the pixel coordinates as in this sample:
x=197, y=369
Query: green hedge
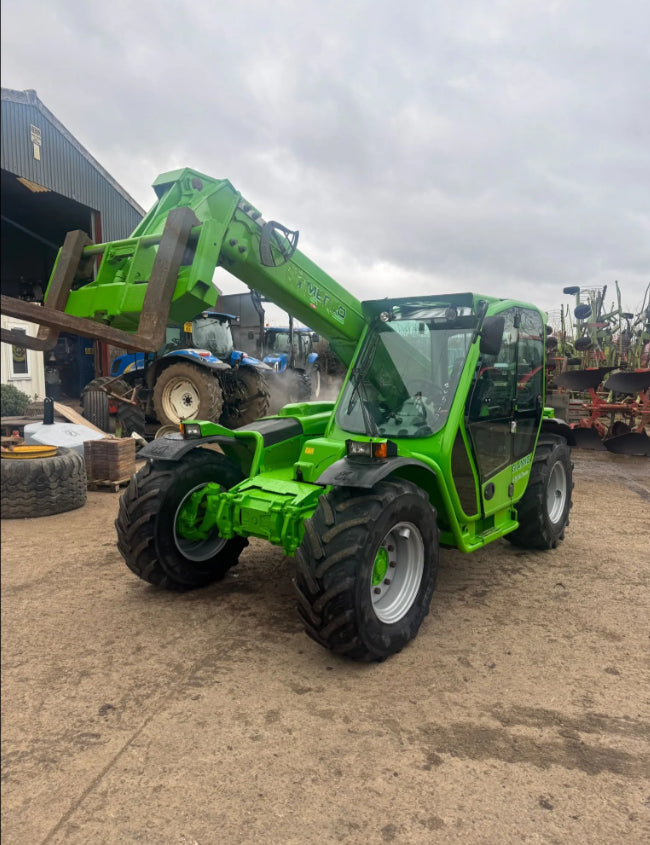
x=13, y=402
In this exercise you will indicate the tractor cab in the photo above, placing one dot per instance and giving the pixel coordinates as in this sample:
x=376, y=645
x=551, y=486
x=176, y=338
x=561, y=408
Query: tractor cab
x=210, y=330
x=289, y=347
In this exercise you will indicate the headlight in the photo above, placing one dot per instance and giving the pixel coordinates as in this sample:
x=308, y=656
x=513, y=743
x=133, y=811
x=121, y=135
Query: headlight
x=370, y=450
x=190, y=430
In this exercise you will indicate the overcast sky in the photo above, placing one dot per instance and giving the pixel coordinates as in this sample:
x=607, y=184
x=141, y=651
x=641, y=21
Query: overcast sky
x=423, y=146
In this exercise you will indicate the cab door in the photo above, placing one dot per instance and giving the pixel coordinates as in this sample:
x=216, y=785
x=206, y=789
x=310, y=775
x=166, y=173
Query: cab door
x=505, y=405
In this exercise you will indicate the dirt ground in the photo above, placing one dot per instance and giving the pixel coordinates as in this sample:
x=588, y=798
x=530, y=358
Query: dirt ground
x=521, y=712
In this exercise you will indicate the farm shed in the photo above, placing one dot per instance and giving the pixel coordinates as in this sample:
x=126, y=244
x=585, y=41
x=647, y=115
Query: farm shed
x=50, y=185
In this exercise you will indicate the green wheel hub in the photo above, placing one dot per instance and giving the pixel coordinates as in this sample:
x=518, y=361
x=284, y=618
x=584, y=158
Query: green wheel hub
x=190, y=516
x=397, y=572
x=380, y=568
x=195, y=533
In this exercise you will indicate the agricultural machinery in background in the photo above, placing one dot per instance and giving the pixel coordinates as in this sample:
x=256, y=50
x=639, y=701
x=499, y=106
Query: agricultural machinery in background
x=303, y=362
x=290, y=352
x=600, y=358
x=196, y=374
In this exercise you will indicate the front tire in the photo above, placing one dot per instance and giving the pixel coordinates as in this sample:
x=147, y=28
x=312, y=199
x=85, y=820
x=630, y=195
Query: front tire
x=543, y=511
x=148, y=523
x=186, y=392
x=366, y=569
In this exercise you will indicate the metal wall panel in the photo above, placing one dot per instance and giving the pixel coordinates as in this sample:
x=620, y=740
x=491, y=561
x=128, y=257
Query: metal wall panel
x=65, y=166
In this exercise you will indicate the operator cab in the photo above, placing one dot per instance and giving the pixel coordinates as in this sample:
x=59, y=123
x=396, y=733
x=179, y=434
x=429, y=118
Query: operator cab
x=408, y=371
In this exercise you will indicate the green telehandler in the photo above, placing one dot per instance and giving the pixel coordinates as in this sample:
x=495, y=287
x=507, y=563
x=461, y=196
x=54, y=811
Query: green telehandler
x=439, y=436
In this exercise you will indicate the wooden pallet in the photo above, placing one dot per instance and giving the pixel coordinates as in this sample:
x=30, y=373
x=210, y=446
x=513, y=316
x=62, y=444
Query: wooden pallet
x=113, y=486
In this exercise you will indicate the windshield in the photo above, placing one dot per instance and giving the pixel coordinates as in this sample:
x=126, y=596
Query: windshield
x=405, y=379
x=279, y=342
x=213, y=334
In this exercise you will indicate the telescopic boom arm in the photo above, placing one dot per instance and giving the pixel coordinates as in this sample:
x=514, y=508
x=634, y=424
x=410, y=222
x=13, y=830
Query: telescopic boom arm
x=163, y=273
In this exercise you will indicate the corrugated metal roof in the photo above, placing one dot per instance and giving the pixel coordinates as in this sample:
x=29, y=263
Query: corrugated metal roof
x=30, y=130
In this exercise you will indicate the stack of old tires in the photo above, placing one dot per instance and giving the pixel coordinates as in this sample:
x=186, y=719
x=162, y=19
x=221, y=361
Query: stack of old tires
x=41, y=480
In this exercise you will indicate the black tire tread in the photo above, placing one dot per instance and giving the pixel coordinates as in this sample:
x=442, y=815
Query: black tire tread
x=253, y=398
x=137, y=527
x=35, y=487
x=533, y=531
x=131, y=419
x=327, y=560
x=95, y=408
x=94, y=399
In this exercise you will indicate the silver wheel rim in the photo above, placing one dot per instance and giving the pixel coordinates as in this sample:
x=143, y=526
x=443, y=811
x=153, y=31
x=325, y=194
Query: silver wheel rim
x=180, y=400
x=556, y=493
x=393, y=597
x=197, y=550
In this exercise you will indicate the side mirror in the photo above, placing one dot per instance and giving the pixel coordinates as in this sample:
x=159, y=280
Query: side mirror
x=492, y=335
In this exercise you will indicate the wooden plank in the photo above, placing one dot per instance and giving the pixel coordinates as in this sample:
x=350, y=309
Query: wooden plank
x=75, y=325
x=74, y=417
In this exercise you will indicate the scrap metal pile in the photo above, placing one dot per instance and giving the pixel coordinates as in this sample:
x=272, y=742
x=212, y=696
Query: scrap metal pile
x=602, y=357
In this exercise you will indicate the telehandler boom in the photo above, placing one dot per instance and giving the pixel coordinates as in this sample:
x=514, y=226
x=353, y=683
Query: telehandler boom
x=163, y=272
x=439, y=436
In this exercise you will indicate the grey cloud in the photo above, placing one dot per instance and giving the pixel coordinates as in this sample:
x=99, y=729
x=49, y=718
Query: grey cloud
x=503, y=144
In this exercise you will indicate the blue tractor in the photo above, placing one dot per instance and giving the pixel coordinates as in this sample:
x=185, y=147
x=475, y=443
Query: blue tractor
x=198, y=374
x=290, y=353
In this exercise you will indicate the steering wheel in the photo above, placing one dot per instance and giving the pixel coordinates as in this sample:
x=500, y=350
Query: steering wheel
x=429, y=391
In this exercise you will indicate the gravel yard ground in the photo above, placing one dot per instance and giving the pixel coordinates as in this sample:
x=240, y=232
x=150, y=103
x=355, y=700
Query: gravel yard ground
x=521, y=712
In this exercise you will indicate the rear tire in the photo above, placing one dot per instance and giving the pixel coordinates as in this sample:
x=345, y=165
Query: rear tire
x=304, y=387
x=366, y=569
x=314, y=377
x=147, y=530
x=186, y=392
x=131, y=419
x=251, y=400
x=543, y=511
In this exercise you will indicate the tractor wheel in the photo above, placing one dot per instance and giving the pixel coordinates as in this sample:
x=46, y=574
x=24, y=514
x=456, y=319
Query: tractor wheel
x=131, y=418
x=186, y=392
x=309, y=387
x=95, y=408
x=366, y=569
x=314, y=377
x=543, y=511
x=252, y=398
x=303, y=390
x=32, y=487
x=149, y=521
x=94, y=400
x=95, y=384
